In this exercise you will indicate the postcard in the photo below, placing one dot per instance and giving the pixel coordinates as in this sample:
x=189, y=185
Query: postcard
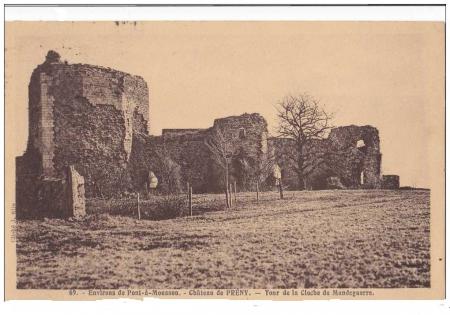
x=275, y=160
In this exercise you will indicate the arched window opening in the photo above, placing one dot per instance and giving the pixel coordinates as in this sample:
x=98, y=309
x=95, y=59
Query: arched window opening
x=242, y=133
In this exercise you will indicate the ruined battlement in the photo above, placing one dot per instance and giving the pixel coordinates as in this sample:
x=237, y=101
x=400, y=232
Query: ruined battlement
x=352, y=134
x=179, y=132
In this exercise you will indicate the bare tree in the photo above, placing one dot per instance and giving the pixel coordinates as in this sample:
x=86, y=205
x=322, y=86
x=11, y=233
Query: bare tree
x=303, y=121
x=264, y=166
x=222, y=152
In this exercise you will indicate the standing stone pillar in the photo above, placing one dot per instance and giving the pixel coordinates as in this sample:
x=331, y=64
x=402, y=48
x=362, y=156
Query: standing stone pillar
x=77, y=204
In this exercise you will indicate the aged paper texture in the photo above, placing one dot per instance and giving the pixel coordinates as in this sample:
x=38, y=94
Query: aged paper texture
x=236, y=160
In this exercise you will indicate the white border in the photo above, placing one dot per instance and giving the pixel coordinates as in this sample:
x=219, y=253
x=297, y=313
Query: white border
x=418, y=13
x=247, y=13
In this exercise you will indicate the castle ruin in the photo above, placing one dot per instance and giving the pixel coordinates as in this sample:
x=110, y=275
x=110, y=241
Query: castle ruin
x=349, y=158
x=82, y=116
x=89, y=124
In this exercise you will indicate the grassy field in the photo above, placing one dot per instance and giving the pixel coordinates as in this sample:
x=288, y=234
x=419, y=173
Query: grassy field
x=357, y=239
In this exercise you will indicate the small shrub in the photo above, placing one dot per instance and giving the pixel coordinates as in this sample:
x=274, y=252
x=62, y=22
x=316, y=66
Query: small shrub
x=114, y=206
x=165, y=207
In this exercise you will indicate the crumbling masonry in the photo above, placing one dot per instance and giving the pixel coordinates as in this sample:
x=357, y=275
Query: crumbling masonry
x=349, y=158
x=82, y=116
x=88, y=135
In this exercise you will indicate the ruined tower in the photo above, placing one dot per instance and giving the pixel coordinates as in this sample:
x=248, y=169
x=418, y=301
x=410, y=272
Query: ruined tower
x=358, y=158
x=349, y=158
x=84, y=116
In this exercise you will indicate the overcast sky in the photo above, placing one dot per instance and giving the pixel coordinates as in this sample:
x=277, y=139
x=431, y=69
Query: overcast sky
x=388, y=75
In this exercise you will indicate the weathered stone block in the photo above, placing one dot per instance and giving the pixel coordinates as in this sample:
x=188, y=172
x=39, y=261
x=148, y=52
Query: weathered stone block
x=77, y=203
x=50, y=197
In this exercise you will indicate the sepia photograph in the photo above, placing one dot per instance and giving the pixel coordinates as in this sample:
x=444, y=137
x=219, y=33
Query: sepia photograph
x=226, y=159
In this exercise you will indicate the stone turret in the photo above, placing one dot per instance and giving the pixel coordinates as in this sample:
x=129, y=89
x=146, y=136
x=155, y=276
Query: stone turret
x=82, y=116
x=360, y=147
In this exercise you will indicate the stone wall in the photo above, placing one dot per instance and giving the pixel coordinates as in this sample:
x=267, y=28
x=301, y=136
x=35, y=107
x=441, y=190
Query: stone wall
x=49, y=197
x=359, y=157
x=95, y=119
x=181, y=132
x=91, y=138
x=350, y=154
x=246, y=132
x=189, y=151
x=247, y=136
x=85, y=116
x=280, y=148
x=349, y=158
